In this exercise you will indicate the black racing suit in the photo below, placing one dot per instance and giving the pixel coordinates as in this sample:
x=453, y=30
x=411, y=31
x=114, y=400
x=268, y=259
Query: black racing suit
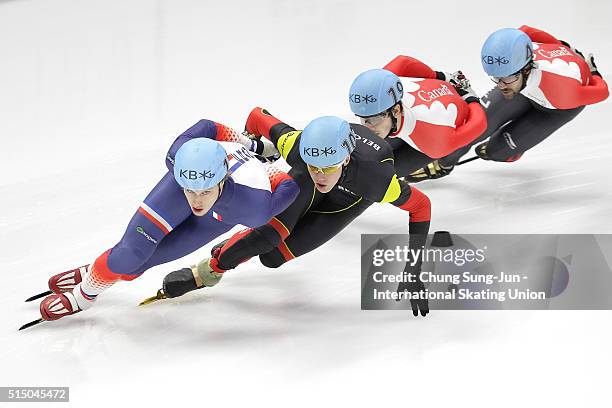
x=315, y=217
x=514, y=126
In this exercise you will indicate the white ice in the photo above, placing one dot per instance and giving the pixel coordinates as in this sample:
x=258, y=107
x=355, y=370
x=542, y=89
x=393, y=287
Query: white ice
x=93, y=92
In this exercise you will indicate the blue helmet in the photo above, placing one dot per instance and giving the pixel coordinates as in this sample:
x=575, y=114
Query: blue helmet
x=326, y=141
x=200, y=164
x=375, y=91
x=506, y=52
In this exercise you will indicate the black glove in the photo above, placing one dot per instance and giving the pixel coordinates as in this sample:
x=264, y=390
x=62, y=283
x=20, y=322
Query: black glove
x=590, y=60
x=177, y=283
x=421, y=304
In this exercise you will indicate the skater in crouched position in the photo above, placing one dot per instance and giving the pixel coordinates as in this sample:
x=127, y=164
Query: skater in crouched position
x=425, y=116
x=341, y=169
x=542, y=84
x=214, y=182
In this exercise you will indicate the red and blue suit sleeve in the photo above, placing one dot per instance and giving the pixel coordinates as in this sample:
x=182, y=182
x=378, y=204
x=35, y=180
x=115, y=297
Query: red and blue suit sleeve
x=204, y=128
x=284, y=190
x=253, y=207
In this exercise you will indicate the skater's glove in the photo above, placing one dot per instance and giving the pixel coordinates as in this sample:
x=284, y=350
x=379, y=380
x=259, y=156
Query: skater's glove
x=461, y=84
x=457, y=78
x=207, y=273
x=179, y=282
x=444, y=76
x=463, y=87
x=418, y=302
x=259, y=145
x=590, y=60
x=270, y=151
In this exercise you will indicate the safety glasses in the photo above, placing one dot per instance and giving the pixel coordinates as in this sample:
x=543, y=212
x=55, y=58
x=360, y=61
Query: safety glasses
x=509, y=80
x=373, y=120
x=325, y=170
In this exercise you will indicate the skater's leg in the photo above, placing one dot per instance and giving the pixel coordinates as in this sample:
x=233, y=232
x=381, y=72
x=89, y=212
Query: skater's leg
x=500, y=112
x=317, y=227
x=509, y=144
x=164, y=208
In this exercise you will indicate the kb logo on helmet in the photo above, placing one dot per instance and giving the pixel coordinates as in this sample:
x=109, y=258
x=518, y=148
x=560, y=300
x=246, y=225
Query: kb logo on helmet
x=356, y=98
x=194, y=175
x=490, y=60
x=316, y=152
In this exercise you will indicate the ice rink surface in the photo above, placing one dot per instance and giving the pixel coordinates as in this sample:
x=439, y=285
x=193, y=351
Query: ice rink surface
x=92, y=94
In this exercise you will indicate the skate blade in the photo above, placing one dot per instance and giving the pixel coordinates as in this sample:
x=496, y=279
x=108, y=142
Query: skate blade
x=32, y=323
x=159, y=296
x=38, y=296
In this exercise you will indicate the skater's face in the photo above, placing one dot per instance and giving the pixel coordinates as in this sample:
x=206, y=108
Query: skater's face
x=201, y=201
x=382, y=124
x=325, y=179
x=510, y=86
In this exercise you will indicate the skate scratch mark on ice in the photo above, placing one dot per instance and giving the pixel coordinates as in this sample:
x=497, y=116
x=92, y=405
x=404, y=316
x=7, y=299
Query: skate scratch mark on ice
x=598, y=156
x=468, y=209
x=584, y=207
x=571, y=173
x=556, y=190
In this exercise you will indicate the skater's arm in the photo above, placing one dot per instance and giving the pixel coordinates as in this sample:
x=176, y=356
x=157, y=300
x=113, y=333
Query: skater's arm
x=419, y=207
x=409, y=198
x=539, y=36
x=400, y=194
x=595, y=92
x=264, y=239
x=215, y=131
x=575, y=94
x=284, y=137
x=474, y=126
x=404, y=66
x=284, y=191
x=264, y=205
x=450, y=138
x=261, y=238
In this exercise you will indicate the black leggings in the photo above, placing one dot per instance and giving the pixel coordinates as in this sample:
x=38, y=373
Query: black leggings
x=514, y=126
